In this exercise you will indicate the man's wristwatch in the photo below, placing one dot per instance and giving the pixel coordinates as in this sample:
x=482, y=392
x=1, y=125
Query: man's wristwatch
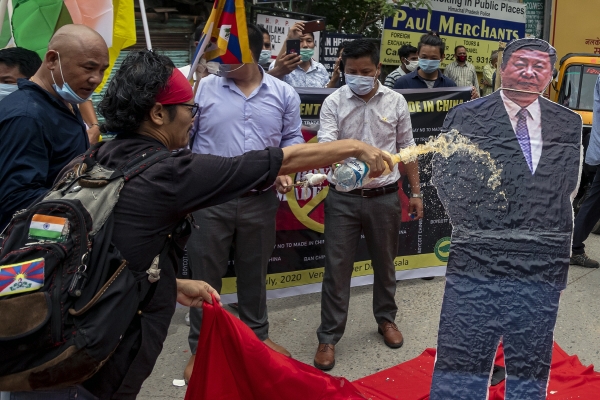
x=417, y=195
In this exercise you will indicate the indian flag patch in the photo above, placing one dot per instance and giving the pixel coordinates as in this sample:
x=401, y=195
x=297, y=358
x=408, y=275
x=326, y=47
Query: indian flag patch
x=22, y=277
x=46, y=227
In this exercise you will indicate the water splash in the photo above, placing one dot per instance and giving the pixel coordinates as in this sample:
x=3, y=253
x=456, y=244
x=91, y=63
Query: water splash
x=448, y=144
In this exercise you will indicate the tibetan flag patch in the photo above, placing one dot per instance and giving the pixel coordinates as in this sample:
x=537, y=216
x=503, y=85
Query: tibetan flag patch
x=46, y=227
x=22, y=277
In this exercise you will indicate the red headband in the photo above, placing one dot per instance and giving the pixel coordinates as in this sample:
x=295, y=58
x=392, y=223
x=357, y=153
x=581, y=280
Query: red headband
x=178, y=90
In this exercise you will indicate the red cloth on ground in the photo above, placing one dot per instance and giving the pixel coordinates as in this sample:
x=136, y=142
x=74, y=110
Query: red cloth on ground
x=233, y=364
x=569, y=379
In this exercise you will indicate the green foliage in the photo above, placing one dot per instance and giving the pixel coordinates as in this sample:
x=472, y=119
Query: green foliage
x=352, y=16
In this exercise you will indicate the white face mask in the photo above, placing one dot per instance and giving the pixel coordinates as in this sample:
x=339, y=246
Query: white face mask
x=359, y=84
x=265, y=56
x=6, y=89
x=412, y=65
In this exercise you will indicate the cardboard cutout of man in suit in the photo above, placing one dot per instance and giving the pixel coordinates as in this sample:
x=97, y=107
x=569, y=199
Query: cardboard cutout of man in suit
x=510, y=249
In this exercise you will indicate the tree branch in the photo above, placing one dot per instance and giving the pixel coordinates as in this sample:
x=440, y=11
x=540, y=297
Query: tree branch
x=366, y=23
x=340, y=25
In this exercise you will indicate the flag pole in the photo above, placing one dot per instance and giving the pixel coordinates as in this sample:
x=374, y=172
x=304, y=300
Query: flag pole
x=3, y=8
x=145, y=23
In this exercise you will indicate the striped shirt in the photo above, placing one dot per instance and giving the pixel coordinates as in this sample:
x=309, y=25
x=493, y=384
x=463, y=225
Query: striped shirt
x=393, y=76
x=464, y=75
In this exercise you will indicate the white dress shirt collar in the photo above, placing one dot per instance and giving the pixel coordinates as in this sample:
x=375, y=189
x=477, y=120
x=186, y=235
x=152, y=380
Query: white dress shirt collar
x=534, y=126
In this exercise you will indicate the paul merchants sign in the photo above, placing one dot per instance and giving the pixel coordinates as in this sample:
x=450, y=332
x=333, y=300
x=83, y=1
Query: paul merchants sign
x=476, y=24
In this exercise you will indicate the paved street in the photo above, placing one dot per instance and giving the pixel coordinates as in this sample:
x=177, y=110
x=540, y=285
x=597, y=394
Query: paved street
x=361, y=351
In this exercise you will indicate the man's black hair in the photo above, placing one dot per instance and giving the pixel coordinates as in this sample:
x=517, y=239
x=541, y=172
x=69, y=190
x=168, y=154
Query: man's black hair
x=406, y=50
x=309, y=33
x=198, y=32
x=132, y=92
x=256, y=39
x=432, y=39
x=341, y=46
x=27, y=61
x=458, y=47
x=528, y=44
x=360, y=48
x=263, y=29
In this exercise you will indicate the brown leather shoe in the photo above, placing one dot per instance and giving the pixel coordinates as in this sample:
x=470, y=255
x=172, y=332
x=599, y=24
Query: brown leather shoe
x=325, y=357
x=276, y=347
x=391, y=334
x=187, y=372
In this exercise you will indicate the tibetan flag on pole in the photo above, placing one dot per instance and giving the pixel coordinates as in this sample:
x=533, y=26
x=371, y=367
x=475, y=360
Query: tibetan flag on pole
x=225, y=36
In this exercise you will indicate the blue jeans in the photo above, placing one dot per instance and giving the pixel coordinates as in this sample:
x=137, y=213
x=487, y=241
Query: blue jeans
x=70, y=393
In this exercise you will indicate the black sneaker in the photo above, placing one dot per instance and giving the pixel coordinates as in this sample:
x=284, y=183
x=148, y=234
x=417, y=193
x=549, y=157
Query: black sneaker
x=583, y=261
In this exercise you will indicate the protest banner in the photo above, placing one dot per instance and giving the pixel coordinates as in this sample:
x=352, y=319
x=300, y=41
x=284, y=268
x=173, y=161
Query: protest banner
x=476, y=24
x=279, y=28
x=297, y=263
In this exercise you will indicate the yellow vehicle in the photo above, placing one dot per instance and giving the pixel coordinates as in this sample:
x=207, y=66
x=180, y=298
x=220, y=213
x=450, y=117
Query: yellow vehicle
x=574, y=88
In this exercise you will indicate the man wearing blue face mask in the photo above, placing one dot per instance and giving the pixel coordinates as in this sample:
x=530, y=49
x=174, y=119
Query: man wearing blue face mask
x=41, y=129
x=365, y=110
x=309, y=73
x=430, y=50
x=16, y=63
x=427, y=75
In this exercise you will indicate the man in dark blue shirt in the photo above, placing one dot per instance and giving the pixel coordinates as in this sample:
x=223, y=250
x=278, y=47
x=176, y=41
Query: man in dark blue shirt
x=41, y=129
x=428, y=75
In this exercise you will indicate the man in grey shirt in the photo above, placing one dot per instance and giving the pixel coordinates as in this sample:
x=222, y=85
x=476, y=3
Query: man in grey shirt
x=365, y=110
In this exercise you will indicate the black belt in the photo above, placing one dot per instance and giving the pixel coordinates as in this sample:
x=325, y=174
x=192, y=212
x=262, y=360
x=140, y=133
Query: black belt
x=374, y=192
x=253, y=193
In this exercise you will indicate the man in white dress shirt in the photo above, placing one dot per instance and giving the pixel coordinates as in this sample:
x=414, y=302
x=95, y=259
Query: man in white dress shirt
x=365, y=110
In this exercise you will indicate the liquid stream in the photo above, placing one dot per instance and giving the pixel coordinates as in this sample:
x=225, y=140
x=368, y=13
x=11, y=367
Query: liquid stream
x=448, y=144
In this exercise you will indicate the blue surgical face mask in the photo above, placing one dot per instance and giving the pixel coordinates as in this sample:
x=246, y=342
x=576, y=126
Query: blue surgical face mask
x=265, y=56
x=66, y=93
x=359, y=84
x=6, y=89
x=429, y=66
x=306, y=54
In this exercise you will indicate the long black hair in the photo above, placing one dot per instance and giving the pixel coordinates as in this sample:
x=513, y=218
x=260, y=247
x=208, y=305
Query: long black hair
x=132, y=91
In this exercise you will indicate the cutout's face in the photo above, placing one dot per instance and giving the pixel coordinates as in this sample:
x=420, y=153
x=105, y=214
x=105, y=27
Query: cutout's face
x=529, y=70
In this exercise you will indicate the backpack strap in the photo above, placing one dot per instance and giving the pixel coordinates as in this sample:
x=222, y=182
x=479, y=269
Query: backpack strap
x=89, y=157
x=141, y=162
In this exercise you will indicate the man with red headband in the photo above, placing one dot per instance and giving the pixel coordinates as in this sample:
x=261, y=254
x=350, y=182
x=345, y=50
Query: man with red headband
x=148, y=105
x=244, y=109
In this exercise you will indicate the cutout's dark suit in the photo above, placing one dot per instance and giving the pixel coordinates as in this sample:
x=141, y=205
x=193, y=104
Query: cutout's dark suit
x=510, y=250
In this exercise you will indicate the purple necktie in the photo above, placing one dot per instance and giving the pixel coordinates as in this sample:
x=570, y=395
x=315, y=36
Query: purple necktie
x=523, y=136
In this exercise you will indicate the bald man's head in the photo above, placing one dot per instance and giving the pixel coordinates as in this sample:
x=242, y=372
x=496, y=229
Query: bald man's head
x=76, y=55
x=74, y=37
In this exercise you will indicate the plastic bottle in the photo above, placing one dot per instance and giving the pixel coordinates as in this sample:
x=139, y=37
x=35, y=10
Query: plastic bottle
x=353, y=173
